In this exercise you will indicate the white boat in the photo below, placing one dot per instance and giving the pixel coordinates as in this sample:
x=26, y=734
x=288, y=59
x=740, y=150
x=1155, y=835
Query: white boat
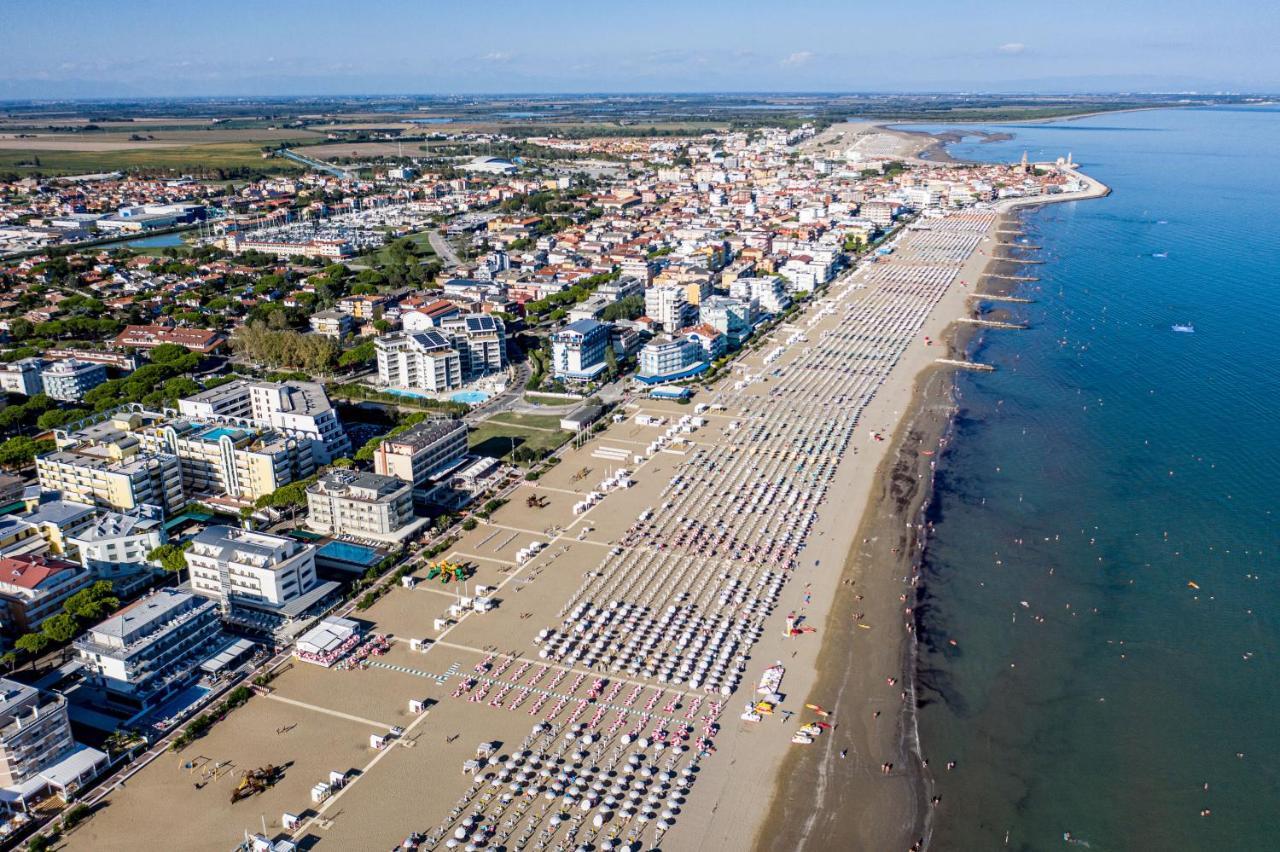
x=1184, y=328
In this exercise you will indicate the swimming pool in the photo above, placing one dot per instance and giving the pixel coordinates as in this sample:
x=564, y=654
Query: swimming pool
x=411, y=394
x=471, y=397
x=218, y=431
x=175, y=704
x=354, y=554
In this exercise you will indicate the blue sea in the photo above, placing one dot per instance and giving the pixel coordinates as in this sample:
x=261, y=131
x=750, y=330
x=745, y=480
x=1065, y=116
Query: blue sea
x=1106, y=531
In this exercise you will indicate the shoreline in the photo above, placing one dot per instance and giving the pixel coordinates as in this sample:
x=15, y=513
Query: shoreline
x=865, y=809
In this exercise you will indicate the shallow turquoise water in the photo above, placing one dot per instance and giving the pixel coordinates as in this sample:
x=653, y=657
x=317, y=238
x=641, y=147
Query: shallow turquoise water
x=1107, y=465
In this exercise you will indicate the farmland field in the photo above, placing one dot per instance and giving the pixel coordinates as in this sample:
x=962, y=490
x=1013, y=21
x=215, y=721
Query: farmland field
x=143, y=155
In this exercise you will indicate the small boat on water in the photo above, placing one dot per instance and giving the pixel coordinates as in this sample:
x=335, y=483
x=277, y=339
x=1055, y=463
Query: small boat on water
x=1184, y=328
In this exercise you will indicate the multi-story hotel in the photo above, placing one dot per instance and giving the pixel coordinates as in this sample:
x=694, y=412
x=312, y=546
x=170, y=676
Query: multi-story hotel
x=254, y=576
x=362, y=505
x=243, y=464
x=423, y=451
x=578, y=350
x=297, y=409
x=150, y=649
x=481, y=343
x=104, y=464
x=423, y=360
x=37, y=752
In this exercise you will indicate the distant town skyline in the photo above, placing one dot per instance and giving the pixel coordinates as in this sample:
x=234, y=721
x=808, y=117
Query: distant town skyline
x=139, y=48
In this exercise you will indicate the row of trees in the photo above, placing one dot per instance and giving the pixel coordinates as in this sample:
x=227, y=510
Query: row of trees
x=285, y=348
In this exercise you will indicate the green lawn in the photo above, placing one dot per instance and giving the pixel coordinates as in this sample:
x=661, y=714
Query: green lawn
x=215, y=155
x=498, y=439
x=532, y=421
x=539, y=399
x=422, y=240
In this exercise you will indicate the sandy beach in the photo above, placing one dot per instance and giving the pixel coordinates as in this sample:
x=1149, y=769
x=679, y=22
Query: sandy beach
x=838, y=796
x=582, y=678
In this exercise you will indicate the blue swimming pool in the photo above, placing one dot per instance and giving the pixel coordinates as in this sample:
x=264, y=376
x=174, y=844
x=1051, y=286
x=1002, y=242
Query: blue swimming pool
x=175, y=704
x=355, y=554
x=217, y=432
x=471, y=397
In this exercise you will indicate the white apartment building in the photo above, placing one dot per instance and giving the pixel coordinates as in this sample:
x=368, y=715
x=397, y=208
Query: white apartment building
x=70, y=380
x=669, y=307
x=116, y=546
x=362, y=505
x=424, y=360
x=770, y=293
x=734, y=318
x=22, y=376
x=257, y=578
x=671, y=360
x=578, y=350
x=298, y=409
x=37, y=751
x=480, y=341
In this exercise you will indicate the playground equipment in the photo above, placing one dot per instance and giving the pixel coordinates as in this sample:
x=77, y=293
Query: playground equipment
x=447, y=571
x=537, y=502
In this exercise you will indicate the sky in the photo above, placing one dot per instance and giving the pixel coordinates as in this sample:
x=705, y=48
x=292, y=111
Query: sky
x=133, y=48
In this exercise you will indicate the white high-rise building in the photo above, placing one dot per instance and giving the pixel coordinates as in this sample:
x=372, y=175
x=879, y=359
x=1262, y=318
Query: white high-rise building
x=669, y=307
x=770, y=293
x=425, y=360
x=480, y=341
x=298, y=409
x=255, y=576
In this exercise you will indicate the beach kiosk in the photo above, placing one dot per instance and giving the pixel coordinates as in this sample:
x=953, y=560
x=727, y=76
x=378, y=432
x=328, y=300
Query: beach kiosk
x=328, y=641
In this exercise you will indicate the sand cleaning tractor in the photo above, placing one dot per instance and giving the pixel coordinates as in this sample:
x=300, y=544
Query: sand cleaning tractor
x=255, y=781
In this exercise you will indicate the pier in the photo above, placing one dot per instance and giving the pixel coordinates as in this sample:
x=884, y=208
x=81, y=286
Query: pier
x=966, y=365
x=1027, y=246
x=986, y=323
x=992, y=298
x=1014, y=259
x=1011, y=277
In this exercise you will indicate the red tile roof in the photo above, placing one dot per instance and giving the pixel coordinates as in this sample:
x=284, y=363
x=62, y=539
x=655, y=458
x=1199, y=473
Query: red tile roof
x=30, y=570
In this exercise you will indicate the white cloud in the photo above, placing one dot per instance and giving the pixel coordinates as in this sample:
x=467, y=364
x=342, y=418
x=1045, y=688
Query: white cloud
x=800, y=57
x=1012, y=48
x=496, y=56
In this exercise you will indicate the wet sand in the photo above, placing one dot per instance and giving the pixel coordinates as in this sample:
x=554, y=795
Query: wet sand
x=821, y=799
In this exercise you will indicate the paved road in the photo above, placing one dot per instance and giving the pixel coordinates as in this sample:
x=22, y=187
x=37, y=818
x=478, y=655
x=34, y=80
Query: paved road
x=443, y=249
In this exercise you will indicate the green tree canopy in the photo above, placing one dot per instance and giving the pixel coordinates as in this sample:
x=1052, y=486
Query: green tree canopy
x=93, y=603
x=172, y=557
x=32, y=643
x=60, y=628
